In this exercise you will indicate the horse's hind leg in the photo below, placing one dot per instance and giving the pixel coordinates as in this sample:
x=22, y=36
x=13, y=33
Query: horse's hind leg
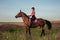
x=43, y=31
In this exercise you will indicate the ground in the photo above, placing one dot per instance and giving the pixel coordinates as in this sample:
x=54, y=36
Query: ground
x=18, y=32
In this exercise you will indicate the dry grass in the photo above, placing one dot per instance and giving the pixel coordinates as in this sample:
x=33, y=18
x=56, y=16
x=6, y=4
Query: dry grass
x=54, y=34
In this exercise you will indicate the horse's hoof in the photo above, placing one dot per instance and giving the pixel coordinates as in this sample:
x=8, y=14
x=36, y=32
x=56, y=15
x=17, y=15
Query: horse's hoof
x=41, y=35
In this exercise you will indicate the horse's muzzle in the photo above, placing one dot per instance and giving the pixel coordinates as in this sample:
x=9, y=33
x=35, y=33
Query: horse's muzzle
x=15, y=16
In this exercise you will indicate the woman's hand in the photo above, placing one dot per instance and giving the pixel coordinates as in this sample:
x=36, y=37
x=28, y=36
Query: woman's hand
x=30, y=16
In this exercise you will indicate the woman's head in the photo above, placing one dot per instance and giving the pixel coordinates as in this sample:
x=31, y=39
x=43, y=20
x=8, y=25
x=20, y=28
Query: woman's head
x=33, y=8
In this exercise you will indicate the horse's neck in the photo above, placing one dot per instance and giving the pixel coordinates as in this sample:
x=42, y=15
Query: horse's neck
x=25, y=19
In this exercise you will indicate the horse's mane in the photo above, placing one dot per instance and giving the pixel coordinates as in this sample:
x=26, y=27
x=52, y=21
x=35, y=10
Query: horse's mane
x=25, y=14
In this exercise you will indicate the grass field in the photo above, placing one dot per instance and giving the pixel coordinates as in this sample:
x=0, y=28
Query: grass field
x=14, y=31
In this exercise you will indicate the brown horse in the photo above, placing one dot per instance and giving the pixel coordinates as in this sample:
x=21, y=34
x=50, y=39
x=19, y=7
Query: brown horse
x=27, y=23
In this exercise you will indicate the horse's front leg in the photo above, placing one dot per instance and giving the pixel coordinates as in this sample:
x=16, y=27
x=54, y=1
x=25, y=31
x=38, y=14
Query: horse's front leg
x=28, y=33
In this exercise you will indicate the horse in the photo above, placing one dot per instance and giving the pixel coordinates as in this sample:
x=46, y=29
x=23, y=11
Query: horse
x=27, y=23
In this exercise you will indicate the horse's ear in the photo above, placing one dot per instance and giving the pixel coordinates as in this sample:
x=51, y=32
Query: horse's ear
x=20, y=10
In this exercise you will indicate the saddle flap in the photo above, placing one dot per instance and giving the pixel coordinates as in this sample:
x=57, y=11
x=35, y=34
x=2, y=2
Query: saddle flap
x=35, y=20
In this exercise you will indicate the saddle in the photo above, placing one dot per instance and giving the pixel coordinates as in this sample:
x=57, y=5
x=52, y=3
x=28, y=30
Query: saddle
x=33, y=19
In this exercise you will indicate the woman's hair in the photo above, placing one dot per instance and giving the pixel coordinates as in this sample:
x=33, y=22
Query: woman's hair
x=32, y=8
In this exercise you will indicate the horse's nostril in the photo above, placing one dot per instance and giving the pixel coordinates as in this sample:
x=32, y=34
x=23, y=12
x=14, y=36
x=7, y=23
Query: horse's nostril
x=15, y=16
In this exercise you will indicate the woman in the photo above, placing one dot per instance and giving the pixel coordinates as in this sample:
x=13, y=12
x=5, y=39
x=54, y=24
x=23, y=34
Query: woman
x=33, y=14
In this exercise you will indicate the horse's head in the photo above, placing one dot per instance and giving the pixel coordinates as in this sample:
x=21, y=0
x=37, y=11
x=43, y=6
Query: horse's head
x=19, y=14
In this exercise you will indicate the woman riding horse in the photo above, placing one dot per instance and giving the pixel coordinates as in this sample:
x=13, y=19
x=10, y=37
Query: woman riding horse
x=40, y=22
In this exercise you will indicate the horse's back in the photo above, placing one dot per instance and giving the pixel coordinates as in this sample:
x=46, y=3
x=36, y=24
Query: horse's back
x=41, y=21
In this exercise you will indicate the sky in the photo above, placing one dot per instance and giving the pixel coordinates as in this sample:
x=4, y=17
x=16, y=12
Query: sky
x=46, y=9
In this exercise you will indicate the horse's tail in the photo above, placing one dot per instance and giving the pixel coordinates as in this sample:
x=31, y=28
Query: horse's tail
x=49, y=25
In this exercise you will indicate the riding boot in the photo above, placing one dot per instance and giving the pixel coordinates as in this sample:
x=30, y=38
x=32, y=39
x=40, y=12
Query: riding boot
x=31, y=22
